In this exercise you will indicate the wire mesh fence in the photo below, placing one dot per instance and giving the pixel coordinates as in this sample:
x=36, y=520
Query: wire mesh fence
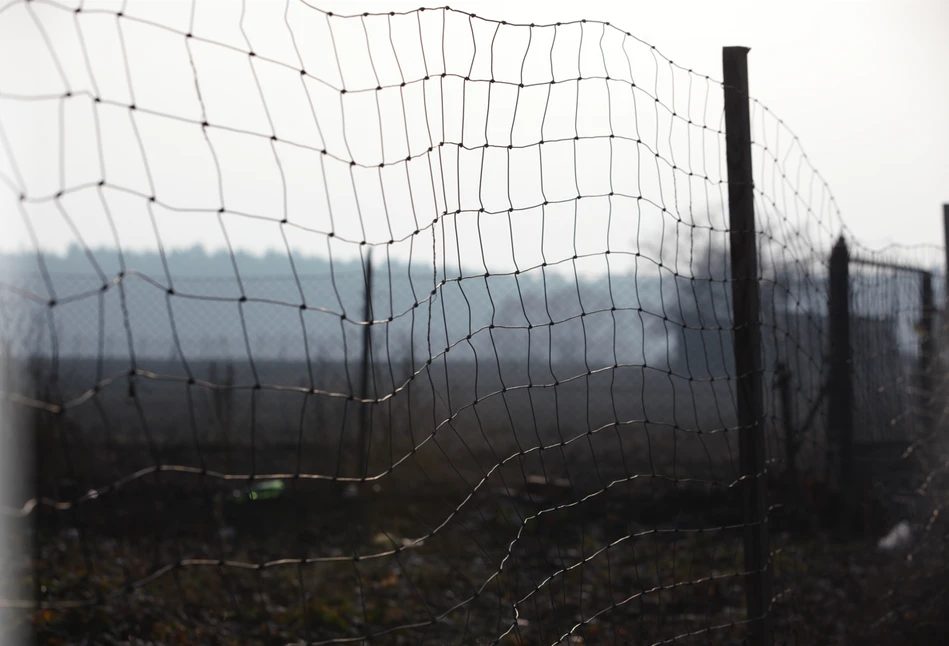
x=486, y=392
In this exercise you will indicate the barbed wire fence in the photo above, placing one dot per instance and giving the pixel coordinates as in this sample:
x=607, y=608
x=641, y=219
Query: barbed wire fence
x=535, y=387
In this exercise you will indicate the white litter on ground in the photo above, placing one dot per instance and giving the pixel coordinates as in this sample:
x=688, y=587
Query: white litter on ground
x=898, y=538
x=351, y=491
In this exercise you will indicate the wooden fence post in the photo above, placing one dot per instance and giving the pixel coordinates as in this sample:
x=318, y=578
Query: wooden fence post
x=747, y=343
x=840, y=390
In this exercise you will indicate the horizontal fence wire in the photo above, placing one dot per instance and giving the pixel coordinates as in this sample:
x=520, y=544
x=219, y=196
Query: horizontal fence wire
x=480, y=388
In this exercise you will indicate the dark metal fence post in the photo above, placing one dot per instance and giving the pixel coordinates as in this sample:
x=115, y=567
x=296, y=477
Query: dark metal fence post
x=365, y=419
x=927, y=354
x=747, y=340
x=840, y=391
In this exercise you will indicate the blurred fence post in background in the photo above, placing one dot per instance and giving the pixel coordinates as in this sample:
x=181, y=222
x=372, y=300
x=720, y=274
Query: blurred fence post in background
x=223, y=401
x=939, y=407
x=945, y=226
x=927, y=353
x=747, y=342
x=365, y=418
x=783, y=383
x=944, y=319
x=840, y=391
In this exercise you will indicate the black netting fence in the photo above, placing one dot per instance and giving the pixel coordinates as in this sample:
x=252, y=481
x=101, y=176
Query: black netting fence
x=484, y=392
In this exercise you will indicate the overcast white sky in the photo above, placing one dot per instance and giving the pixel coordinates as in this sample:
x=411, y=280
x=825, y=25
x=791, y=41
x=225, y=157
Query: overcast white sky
x=865, y=85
